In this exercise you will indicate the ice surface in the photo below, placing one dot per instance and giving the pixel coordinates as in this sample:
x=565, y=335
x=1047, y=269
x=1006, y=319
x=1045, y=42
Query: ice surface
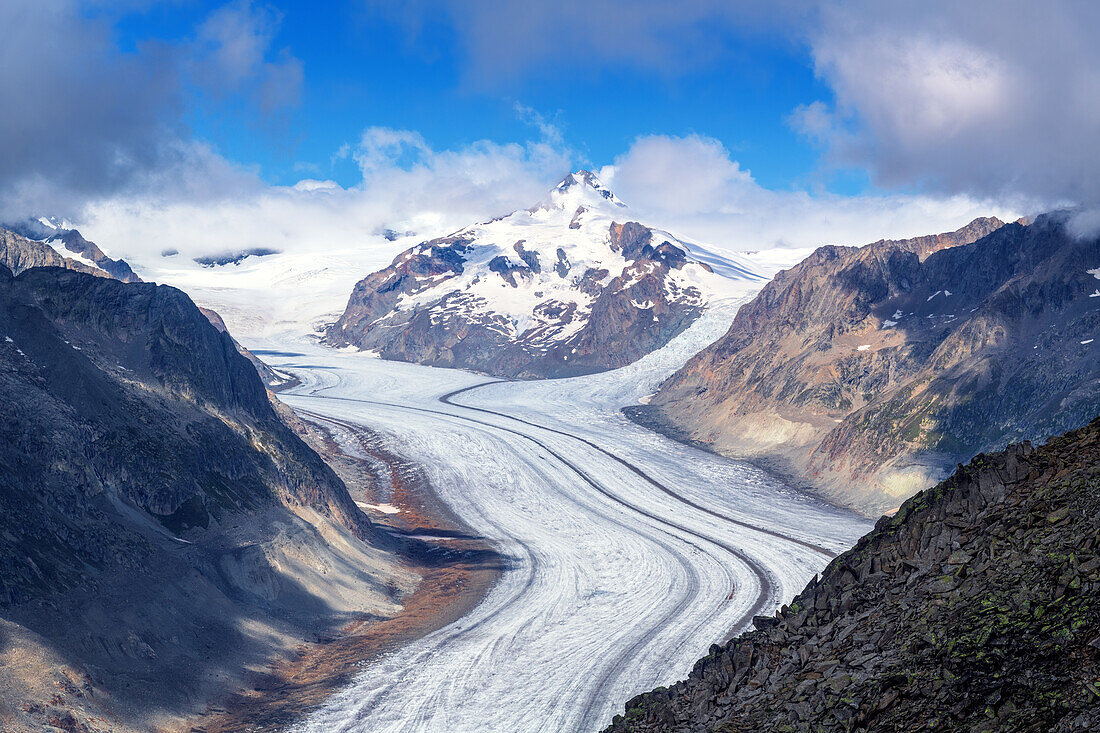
x=613, y=585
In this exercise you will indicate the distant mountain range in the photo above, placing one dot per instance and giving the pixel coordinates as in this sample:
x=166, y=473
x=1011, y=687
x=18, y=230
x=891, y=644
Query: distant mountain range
x=869, y=372
x=48, y=242
x=569, y=286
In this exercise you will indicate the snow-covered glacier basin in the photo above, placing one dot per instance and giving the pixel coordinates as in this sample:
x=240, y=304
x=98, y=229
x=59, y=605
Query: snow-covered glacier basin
x=630, y=553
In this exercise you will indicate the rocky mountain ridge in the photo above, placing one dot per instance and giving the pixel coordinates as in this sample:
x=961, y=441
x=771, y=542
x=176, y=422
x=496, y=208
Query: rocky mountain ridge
x=274, y=380
x=162, y=530
x=569, y=286
x=976, y=607
x=47, y=243
x=866, y=373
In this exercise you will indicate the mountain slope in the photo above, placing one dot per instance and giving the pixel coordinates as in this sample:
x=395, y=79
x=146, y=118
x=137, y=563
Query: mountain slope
x=273, y=380
x=569, y=286
x=976, y=607
x=869, y=372
x=161, y=529
x=58, y=248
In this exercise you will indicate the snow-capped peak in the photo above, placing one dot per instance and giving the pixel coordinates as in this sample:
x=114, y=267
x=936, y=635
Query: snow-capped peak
x=55, y=224
x=38, y=228
x=581, y=188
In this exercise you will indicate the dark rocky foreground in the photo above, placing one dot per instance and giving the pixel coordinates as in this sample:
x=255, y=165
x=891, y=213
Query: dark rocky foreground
x=975, y=608
x=162, y=530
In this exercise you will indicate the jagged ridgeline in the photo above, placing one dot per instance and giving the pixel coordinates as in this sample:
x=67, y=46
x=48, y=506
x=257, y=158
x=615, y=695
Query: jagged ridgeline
x=869, y=372
x=976, y=607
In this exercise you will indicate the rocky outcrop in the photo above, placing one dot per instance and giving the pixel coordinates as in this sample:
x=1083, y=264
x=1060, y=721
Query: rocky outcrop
x=570, y=286
x=233, y=258
x=273, y=380
x=976, y=607
x=49, y=243
x=74, y=242
x=162, y=530
x=17, y=253
x=868, y=372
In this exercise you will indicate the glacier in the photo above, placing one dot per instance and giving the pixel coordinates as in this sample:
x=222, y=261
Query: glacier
x=629, y=553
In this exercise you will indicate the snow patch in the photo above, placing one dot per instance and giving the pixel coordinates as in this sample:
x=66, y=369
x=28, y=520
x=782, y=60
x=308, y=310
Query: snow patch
x=383, y=508
x=58, y=246
x=863, y=347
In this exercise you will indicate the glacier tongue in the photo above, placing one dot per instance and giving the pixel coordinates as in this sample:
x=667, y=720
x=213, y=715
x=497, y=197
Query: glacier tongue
x=613, y=587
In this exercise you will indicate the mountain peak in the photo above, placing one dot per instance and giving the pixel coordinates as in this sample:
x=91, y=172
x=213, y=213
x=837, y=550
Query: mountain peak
x=579, y=187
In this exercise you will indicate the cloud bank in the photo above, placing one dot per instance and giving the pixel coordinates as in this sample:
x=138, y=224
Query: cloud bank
x=689, y=185
x=988, y=98
x=83, y=119
x=966, y=109
x=985, y=98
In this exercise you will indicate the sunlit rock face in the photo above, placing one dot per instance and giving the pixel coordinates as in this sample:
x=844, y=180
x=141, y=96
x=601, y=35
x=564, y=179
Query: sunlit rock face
x=869, y=372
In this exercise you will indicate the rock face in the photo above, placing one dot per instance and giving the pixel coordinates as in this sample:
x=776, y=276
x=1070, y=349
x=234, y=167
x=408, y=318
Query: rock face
x=66, y=248
x=272, y=379
x=161, y=529
x=868, y=372
x=570, y=286
x=17, y=253
x=976, y=607
x=73, y=242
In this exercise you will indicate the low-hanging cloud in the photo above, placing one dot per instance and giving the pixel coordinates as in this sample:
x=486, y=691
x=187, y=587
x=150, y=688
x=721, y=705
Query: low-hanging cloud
x=692, y=186
x=689, y=185
x=407, y=186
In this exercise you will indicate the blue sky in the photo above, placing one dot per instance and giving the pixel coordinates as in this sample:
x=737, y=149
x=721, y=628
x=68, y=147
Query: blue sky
x=746, y=124
x=361, y=68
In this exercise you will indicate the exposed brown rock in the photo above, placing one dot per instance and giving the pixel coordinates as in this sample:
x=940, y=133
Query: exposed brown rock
x=868, y=372
x=425, y=307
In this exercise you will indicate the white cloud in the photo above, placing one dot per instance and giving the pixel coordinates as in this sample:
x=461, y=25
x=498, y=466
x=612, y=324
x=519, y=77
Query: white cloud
x=985, y=97
x=232, y=52
x=691, y=186
x=213, y=206
x=84, y=119
x=988, y=98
